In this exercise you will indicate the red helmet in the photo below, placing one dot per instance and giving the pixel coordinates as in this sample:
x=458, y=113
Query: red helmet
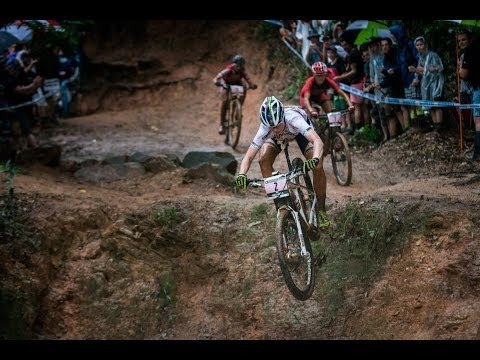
x=319, y=68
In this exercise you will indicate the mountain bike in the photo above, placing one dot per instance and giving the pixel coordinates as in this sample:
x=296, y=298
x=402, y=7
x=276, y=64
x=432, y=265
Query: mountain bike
x=297, y=224
x=233, y=116
x=328, y=128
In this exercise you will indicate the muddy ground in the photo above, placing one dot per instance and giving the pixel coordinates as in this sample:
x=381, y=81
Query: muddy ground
x=159, y=255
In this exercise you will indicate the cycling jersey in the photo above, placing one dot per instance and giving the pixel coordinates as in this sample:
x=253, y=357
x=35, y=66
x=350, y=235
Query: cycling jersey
x=318, y=93
x=233, y=76
x=296, y=121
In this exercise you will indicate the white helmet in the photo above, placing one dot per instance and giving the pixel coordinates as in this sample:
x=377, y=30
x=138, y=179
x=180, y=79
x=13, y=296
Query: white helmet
x=271, y=112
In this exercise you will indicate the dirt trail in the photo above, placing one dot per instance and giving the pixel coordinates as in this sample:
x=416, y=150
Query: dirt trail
x=102, y=280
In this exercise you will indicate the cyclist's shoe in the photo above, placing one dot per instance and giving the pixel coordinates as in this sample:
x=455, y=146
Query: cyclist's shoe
x=323, y=220
x=221, y=130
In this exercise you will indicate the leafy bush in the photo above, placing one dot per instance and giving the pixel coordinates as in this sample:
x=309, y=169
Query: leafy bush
x=367, y=135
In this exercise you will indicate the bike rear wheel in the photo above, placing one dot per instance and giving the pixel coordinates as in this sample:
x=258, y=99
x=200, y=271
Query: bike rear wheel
x=341, y=159
x=297, y=269
x=234, y=123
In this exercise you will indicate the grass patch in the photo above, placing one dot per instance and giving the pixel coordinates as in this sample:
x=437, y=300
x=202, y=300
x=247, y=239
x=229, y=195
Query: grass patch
x=354, y=250
x=166, y=290
x=279, y=55
x=169, y=217
x=367, y=136
x=115, y=251
x=13, y=326
x=265, y=31
x=259, y=212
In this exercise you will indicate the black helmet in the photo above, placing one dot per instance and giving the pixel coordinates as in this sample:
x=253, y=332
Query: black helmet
x=239, y=60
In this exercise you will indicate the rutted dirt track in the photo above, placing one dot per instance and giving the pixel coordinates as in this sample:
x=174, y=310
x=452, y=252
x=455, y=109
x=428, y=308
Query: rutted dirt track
x=109, y=268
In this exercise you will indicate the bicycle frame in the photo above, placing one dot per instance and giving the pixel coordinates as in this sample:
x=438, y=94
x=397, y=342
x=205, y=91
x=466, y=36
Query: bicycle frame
x=235, y=94
x=296, y=224
x=281, y=189
x=328, y=128
x=282, y=186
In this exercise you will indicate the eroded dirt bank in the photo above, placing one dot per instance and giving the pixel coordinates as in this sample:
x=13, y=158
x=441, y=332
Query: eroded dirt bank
x=163, y=256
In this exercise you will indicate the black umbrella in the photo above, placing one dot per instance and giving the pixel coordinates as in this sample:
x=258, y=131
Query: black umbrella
x=7, y=40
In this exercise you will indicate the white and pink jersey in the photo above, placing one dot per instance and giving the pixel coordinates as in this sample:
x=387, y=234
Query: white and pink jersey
x=296, y=121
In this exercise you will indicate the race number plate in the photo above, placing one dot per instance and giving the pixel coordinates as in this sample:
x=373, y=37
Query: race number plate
x=335, y=118
x=237, y=90
x=276, y=186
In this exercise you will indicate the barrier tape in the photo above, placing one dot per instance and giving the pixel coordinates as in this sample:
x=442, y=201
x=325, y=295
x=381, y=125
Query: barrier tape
x=40, y=98
x=397, y=101
x=383, y=99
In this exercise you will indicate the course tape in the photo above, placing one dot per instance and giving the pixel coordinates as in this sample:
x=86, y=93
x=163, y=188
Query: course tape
x=40, y=98
x=383, y=99
x=397, y=101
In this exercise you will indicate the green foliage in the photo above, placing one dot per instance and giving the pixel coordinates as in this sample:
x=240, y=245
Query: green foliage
x=166, y=289
x=168, y=217
x=13, y=326
x=68, y=38
x=367, y=135
x=279, y=53
x=259, y=212
x=355, y=249
x=265, y=31
x=292, y=91
x=10, y=226
x=11, y=171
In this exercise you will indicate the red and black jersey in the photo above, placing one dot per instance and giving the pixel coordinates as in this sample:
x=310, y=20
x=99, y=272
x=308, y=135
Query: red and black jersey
x=233, y=76
x=317, y=92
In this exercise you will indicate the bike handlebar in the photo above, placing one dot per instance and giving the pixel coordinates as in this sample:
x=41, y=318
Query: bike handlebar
x=290, y=175
x=325, y=116
x=227, y=87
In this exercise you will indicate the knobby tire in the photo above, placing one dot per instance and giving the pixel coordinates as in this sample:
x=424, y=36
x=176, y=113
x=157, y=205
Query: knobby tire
x=341, y=159
x=297, y=270
x=234, y=123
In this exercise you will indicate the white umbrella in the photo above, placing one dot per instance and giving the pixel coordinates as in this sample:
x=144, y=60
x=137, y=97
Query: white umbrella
x=20, y=30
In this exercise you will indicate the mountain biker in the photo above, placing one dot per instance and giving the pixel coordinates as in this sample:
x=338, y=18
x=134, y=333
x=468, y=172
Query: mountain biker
x=315, y=91
x=233, y=74
x=278, y=124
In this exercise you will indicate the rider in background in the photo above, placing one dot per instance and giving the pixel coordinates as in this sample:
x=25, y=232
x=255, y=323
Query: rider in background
x=278, y=124
x=318, y=90
x=233, y=74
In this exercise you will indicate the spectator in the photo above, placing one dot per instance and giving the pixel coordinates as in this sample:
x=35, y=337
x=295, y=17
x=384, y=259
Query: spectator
x=470, y=70
x=464, y=39
x=19, y=90
x=430, y=67
x=314, y=53
x=407, y=55
x=391, y=85
x=353, y=76
x=287, y=32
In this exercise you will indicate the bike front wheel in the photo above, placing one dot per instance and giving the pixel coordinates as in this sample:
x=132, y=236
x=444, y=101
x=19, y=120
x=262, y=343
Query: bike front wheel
x=297, y=269
x=234, y=123
x=341, y=159
x=305, y=197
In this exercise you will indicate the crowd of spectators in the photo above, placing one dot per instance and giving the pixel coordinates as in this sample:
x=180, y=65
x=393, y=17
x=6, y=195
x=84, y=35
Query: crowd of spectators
x=394, y=66
x=34, y=93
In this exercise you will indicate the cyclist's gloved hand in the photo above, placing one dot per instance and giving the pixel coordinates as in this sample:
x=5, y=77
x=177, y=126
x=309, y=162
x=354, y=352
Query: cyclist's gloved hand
x=310, y=164
x=241, y=181
x=314, y=114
